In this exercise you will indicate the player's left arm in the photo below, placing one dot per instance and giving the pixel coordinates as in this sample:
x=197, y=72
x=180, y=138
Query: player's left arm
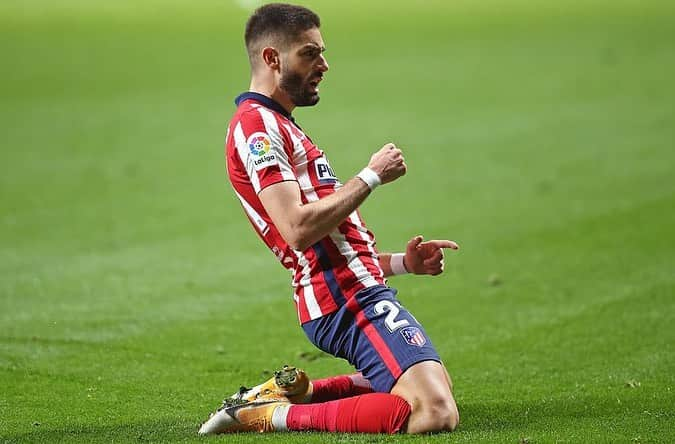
x=420, y=257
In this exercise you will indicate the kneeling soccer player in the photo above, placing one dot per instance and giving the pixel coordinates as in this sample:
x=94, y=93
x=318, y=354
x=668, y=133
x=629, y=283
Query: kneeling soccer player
x=309, y=220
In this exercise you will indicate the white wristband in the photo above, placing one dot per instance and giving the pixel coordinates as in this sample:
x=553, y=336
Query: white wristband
x=370, y=177
x=396, y=264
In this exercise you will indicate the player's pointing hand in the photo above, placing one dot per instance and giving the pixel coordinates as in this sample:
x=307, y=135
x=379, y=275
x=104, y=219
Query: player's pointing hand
x=426, y=257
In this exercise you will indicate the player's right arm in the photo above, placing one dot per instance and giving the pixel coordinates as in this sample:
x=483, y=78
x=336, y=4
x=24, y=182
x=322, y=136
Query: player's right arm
x=303, y=224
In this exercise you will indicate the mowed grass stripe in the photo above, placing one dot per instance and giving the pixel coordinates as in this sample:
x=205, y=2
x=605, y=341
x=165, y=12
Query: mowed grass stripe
x=134, y=296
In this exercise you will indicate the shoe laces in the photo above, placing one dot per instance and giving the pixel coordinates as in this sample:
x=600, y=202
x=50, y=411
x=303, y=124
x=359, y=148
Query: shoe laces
x=237, y=400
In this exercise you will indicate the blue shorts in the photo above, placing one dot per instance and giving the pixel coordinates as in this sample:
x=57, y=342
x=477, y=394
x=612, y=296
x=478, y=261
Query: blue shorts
x=375, y=334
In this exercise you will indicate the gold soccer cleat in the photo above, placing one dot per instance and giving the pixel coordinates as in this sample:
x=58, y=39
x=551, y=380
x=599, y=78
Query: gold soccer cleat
x=242, y=416
x=288, y=382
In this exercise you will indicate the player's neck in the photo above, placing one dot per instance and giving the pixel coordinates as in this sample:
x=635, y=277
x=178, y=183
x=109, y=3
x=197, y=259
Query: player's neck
x=274, y=93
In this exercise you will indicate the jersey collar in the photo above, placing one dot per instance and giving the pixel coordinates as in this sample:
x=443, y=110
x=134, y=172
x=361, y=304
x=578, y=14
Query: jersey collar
x=265, y=101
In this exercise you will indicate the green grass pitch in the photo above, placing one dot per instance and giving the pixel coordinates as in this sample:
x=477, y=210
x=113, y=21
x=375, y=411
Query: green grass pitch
x=540, y=135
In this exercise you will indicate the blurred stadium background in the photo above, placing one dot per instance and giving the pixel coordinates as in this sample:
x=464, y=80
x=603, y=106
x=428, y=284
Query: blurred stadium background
x=540, y=135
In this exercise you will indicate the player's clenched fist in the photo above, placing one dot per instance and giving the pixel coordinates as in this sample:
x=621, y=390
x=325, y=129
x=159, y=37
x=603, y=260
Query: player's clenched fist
x=388, y=163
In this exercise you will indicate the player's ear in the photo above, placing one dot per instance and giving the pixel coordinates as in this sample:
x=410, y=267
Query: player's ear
x=271, y=57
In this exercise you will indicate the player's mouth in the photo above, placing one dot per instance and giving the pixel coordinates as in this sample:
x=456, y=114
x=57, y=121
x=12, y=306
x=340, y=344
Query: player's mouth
x=314, y=85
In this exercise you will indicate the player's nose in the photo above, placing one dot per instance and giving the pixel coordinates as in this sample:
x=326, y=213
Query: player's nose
x=323, y=64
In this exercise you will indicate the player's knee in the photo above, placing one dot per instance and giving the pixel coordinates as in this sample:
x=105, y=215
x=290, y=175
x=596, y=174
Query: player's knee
x=439, y=415
x=451, y=419
x=446, y=415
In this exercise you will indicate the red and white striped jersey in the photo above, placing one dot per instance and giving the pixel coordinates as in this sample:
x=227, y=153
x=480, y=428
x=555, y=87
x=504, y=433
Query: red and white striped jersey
x=264, y=146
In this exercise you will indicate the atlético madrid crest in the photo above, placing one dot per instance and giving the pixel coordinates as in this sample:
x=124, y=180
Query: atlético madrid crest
x=413, y=336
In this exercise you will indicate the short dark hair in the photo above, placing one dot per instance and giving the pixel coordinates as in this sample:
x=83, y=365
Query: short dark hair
x=281, y=22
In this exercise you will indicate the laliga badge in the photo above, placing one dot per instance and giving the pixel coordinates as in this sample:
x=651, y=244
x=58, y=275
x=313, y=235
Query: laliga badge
x=260, y=146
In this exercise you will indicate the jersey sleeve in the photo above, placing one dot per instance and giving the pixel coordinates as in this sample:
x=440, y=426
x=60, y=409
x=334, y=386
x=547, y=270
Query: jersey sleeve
x=263, y=149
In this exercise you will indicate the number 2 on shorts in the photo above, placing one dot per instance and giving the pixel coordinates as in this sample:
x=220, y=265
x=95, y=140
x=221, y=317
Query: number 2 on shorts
x=390, y=320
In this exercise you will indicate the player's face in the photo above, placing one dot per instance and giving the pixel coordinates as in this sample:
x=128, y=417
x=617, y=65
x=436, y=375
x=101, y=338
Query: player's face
x=303, y=69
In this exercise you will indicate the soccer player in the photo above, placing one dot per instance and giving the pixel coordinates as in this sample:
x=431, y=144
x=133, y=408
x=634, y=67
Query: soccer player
x=309, y=220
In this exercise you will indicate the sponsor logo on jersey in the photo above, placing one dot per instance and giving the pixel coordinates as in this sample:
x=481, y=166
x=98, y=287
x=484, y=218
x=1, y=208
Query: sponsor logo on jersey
x=323, y=170
x=413, y=336
x=259, y=144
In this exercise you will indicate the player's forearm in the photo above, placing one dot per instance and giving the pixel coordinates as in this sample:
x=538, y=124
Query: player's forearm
x=321, y=217
x=302, y=225
x=385, y=264
x=317, y=219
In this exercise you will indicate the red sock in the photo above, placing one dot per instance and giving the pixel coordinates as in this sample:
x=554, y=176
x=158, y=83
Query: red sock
x=338, y=387
x=370, y=413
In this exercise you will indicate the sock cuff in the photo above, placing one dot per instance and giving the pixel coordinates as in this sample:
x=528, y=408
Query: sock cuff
x=279, y=416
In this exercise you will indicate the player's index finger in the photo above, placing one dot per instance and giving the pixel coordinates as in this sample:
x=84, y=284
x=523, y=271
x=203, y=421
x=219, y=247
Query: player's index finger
x=444, y=244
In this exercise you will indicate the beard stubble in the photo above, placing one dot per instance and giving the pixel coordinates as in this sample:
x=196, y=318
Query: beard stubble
x=297, y=89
